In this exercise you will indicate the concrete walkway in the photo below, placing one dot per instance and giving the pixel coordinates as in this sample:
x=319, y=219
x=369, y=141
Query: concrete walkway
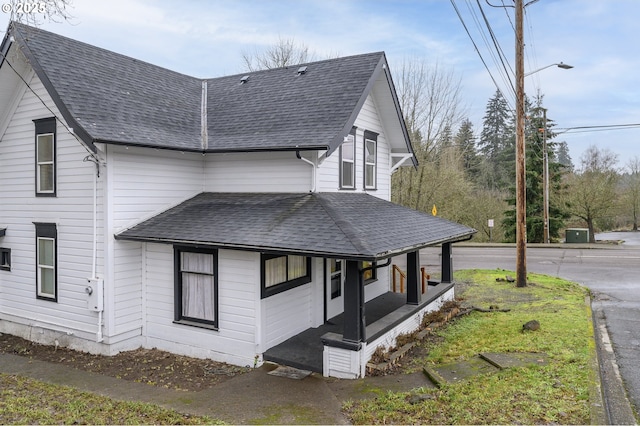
x=254, y=397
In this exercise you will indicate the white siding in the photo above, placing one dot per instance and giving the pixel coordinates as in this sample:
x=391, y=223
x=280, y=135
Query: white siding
x=141, y=183
x=71, y=210
x=328, y=173
x=258, y=172
x=410, y=325
x=238, y=298
x=349, y=364
x=378, y=287
x=287, y=314
x=146, y=181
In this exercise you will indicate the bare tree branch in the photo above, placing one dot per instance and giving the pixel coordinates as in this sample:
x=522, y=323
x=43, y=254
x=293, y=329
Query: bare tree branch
x=37, y=12
x=284, y=53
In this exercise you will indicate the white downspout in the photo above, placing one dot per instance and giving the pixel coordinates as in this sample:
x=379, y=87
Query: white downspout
x=94, y=256
x=99, y=337
x=314, y=172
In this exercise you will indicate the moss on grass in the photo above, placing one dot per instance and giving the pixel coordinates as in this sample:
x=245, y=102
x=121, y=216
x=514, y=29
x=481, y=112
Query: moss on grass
x=554, y=393
x=27, y=401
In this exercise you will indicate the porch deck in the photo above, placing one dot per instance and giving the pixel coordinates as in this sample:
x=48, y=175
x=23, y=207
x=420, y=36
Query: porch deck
x=305, y=350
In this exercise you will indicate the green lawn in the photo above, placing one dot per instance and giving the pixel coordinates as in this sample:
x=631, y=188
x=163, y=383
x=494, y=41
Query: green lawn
x=554, y=393
x=27, y=401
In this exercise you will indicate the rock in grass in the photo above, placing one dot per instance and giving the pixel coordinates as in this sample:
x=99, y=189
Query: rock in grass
x=532, y=325
x=416, y=399
x=507, y=278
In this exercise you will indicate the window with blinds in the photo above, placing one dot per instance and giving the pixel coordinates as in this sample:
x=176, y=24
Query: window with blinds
x=196, y=287
x=283, y=272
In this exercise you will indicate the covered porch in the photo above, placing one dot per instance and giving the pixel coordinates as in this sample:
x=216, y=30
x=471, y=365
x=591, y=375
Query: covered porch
x=306, y=350
x=360, y=230
x=344, y=344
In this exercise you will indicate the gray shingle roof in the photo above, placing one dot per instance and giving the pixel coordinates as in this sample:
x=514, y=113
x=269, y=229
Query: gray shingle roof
x=113, y=98
x=280, y=108
x=338, y=225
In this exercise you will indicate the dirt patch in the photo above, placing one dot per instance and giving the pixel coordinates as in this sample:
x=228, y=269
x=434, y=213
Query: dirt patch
x=149, y=366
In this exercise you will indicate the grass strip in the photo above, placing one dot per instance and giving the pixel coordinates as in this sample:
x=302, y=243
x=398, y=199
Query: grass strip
x=557, y=392
x=27, y=401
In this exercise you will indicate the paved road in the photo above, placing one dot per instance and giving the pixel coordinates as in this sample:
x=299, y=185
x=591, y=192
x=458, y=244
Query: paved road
x=611, y=271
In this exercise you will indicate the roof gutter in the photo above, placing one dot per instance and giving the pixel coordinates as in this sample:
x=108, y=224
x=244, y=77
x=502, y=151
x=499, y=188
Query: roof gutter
x=213, y=150
x=308, y=252
x=244, y=247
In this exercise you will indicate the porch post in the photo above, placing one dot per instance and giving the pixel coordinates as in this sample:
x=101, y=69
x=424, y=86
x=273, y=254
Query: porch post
x=414, y=290
x=447, y=264
x=354, y=324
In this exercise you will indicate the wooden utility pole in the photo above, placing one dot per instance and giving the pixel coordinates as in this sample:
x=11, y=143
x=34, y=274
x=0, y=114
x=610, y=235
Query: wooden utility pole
x=521, y=207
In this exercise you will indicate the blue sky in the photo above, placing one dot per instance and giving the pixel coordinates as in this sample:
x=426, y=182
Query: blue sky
x=206, y=38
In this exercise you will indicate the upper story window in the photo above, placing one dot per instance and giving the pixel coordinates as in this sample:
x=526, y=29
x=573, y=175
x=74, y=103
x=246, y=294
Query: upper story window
x=46, y=157
x=46, y=261
x=370, y=159
x=348, y=161
x=282, y=272
x=196, y=287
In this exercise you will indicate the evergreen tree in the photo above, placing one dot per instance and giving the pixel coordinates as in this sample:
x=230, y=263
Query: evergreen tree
x=466, y=142
x=495, y=140
x=534, y=151
x=562, y=154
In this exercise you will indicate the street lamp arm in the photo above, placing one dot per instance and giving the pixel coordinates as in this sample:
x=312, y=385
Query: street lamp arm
x=559, y=65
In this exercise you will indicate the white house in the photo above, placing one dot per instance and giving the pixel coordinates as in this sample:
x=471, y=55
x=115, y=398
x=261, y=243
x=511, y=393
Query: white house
x=230, y=218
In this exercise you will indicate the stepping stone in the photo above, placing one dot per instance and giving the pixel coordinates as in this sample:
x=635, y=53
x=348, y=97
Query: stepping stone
x=289, y=372
x=484, y=363
x=458, y=371
x=514, y=359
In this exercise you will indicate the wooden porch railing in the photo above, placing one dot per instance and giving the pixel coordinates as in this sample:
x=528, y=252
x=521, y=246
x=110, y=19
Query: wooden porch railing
x=397, y=272
x=425, y=279
x=403, y=276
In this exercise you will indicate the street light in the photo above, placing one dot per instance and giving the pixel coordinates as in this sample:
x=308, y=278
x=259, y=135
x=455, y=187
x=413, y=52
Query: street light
x=521, y=212
x=559, y=65
x=545, y=160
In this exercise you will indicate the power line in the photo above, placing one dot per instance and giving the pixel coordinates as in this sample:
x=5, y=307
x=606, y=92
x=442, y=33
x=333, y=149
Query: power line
x=490, y=49
x=475, y=46
x=501, y=54
x=495, y=83
x=601, y=128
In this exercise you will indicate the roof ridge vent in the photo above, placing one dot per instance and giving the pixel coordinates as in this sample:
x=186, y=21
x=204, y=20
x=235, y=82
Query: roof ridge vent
x=302, y=70
x=244, y=79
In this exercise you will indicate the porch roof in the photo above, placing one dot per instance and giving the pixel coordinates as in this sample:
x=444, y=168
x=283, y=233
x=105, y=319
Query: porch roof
x=353, y=226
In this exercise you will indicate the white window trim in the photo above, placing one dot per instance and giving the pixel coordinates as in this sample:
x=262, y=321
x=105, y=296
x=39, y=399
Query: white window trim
x=52, y=162
x=42, y=266
x=373, y=164
x=352, y=136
